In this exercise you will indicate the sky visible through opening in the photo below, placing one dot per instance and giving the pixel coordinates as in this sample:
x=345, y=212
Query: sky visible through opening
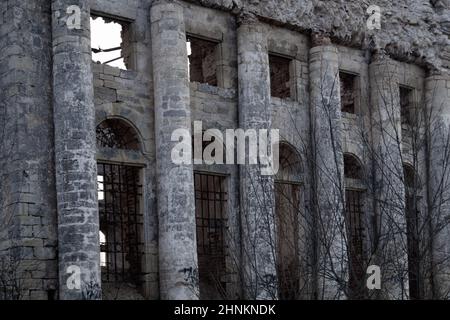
x=106, y=36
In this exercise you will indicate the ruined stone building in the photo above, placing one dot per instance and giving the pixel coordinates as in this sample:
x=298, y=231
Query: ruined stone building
x=92, y=204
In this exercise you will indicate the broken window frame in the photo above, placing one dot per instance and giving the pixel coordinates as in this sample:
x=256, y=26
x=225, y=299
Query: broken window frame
x=217, y=57
x=407, y=108
x=126, y=46
x=346, y=109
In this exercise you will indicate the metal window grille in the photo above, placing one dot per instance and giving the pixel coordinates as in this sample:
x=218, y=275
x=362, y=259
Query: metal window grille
x=354, y=204
x=287, y=200
x=412, y=225
x=210, y=202
x=121, y=222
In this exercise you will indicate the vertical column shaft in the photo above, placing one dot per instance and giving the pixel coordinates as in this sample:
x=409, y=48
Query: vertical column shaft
x=27, y=196
x=176, y=204
x=329, y=168
x=257, y=195
x=388, y=179
x=76, y=168
x=437, y=98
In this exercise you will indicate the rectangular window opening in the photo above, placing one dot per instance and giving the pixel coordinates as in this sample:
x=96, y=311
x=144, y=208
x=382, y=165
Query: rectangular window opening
x=348, y=91
x=354, y=216
x=211, y=198
x=110, y=42
x=280, y=77
x=202, y=55
x=406, y=105
x=287, y=207
x=121, y=224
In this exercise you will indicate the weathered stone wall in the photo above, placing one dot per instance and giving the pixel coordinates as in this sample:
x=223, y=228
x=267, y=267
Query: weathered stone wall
x=75, y=165
x=28, y=202
x=413, y=30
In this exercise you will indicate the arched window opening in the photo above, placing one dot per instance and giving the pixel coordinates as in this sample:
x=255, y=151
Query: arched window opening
x=354, y=204
x=412, y=214
x=287, y=206
x=116, y=133
x=410, y=178
x=352, y=167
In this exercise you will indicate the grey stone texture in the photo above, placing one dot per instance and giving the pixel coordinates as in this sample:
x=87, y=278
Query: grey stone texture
x=28, y=198
x=75, y=148
x=176, y=206
x=325, y=103
x=257, y=196
x=388, y=178
x=52, y=96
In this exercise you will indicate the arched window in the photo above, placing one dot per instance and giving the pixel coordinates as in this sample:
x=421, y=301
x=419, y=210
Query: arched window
x=412, y=199
x=287, y=204
x=290, y=164
x=116, y=133
x=354, y=204
x=352, y=167
x=410, y=178
x=119, y=203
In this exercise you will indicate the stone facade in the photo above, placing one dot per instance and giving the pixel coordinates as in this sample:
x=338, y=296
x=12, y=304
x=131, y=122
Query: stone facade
x=53, y=97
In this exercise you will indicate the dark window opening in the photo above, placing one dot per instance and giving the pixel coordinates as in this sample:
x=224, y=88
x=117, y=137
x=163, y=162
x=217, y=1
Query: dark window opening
x=354, y=215
x=202, y=56
x=211, y=198
x=354, y=211
x=51, y=294
x=406, y=105
x=121, y=224
x=352, y=167
x=280, y=82
x=348, y=92
x=110, y=41
x=287, y=206
x=116, y=133
x=287, y=200
x=412, y=201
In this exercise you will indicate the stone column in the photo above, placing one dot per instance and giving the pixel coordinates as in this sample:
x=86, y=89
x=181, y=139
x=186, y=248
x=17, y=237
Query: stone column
x=27, y=189
x=389, y=190
x=76, y=167
x=437, y=98
x=329, y=168
x=175, y=191
x=257, y=196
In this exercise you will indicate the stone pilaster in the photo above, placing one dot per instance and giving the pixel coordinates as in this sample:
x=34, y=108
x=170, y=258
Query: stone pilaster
x=329, y=168
x=390, y=241
x=437, y=98
x=257, y=196
x=178, y=268
x=76, y=168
